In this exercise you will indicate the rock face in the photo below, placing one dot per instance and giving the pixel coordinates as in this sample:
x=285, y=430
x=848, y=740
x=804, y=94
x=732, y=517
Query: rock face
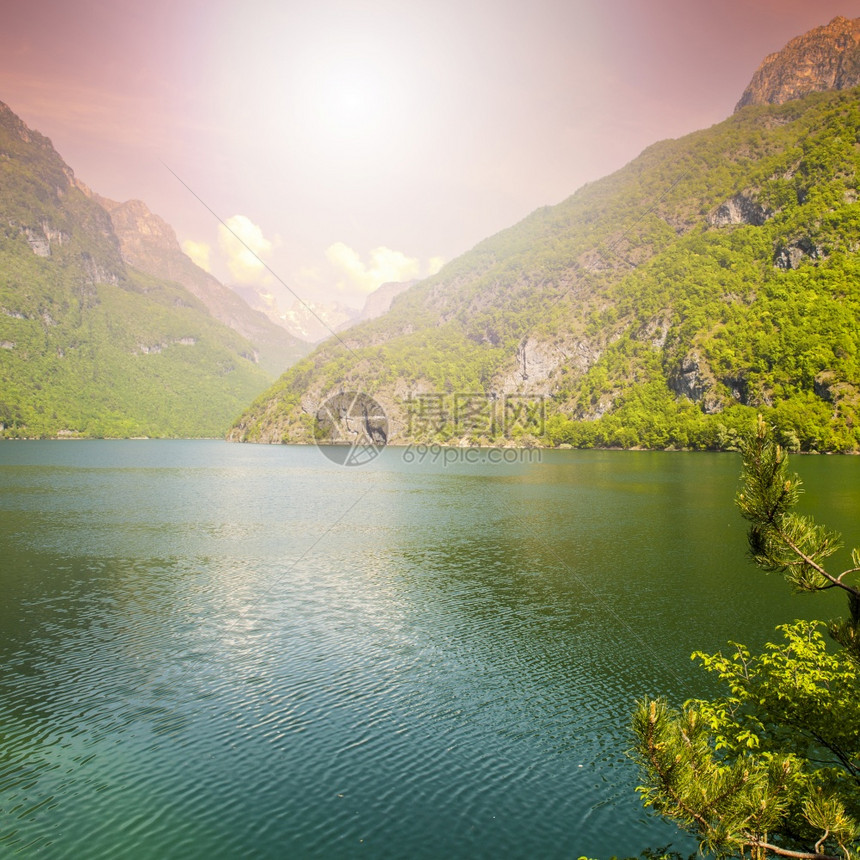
x=379, y=301
x=790, y=255
x=537, y=362
x=144, y=237
x=826, y=58
x=739, y=209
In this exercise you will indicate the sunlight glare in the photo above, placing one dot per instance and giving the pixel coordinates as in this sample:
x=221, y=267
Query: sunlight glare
x=355, y=99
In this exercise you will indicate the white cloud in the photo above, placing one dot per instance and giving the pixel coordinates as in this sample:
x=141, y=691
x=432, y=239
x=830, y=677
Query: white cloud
x=245, y=248
x=200, y=253
x=433, y=265
x=385, y=264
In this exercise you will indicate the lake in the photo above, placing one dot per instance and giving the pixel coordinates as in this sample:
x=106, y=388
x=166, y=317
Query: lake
x=230, y=650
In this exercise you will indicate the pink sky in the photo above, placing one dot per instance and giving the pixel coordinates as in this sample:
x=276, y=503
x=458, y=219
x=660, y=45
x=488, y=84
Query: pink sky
x=365, y=141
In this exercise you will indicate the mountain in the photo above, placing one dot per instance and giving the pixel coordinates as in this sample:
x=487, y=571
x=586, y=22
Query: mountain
x=379, y=301
x=713, y=277
x=89, y=344
x=308, y=322
x=826, y=58
x=150, y=245
x=316, y=321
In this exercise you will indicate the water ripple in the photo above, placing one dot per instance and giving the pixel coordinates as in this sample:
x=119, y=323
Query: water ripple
x=448, y=673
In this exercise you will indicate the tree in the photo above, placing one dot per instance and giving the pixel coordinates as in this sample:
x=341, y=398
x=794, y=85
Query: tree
x=773, y=767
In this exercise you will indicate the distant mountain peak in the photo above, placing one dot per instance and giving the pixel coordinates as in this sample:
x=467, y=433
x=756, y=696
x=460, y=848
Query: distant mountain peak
x=149, y=244
x=141, y=232
x=308, y=321
x=379, y=301
x=825, y=58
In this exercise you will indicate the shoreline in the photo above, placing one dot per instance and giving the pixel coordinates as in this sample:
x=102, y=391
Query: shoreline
x=424, y=446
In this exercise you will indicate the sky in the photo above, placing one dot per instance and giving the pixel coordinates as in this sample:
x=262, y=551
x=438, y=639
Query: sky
x=353, y=143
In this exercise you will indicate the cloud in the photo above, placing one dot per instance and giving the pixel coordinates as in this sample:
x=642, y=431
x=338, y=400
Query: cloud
x=245, y=248
x=384, y=265
x=200, y=253
x=433, y=265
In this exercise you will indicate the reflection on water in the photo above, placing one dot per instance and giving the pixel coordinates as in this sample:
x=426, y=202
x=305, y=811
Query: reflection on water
x=216, y=650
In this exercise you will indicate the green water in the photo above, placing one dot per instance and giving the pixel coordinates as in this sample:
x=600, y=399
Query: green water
x=224, y=650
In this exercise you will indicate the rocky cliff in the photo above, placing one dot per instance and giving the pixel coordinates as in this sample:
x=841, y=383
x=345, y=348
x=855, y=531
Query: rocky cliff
x=379, y=301
x=826, y=58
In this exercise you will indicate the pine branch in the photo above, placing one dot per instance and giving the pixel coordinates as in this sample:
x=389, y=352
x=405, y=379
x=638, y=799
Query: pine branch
x=785, y=852
x=665, y=778
x=835, y=581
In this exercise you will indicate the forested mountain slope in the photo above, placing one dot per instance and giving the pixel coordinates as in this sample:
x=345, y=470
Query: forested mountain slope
x=713, y=277
x=90, y=346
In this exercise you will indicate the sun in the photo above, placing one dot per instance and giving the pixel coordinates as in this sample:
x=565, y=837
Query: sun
x=355, y=98
x=352, y=101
